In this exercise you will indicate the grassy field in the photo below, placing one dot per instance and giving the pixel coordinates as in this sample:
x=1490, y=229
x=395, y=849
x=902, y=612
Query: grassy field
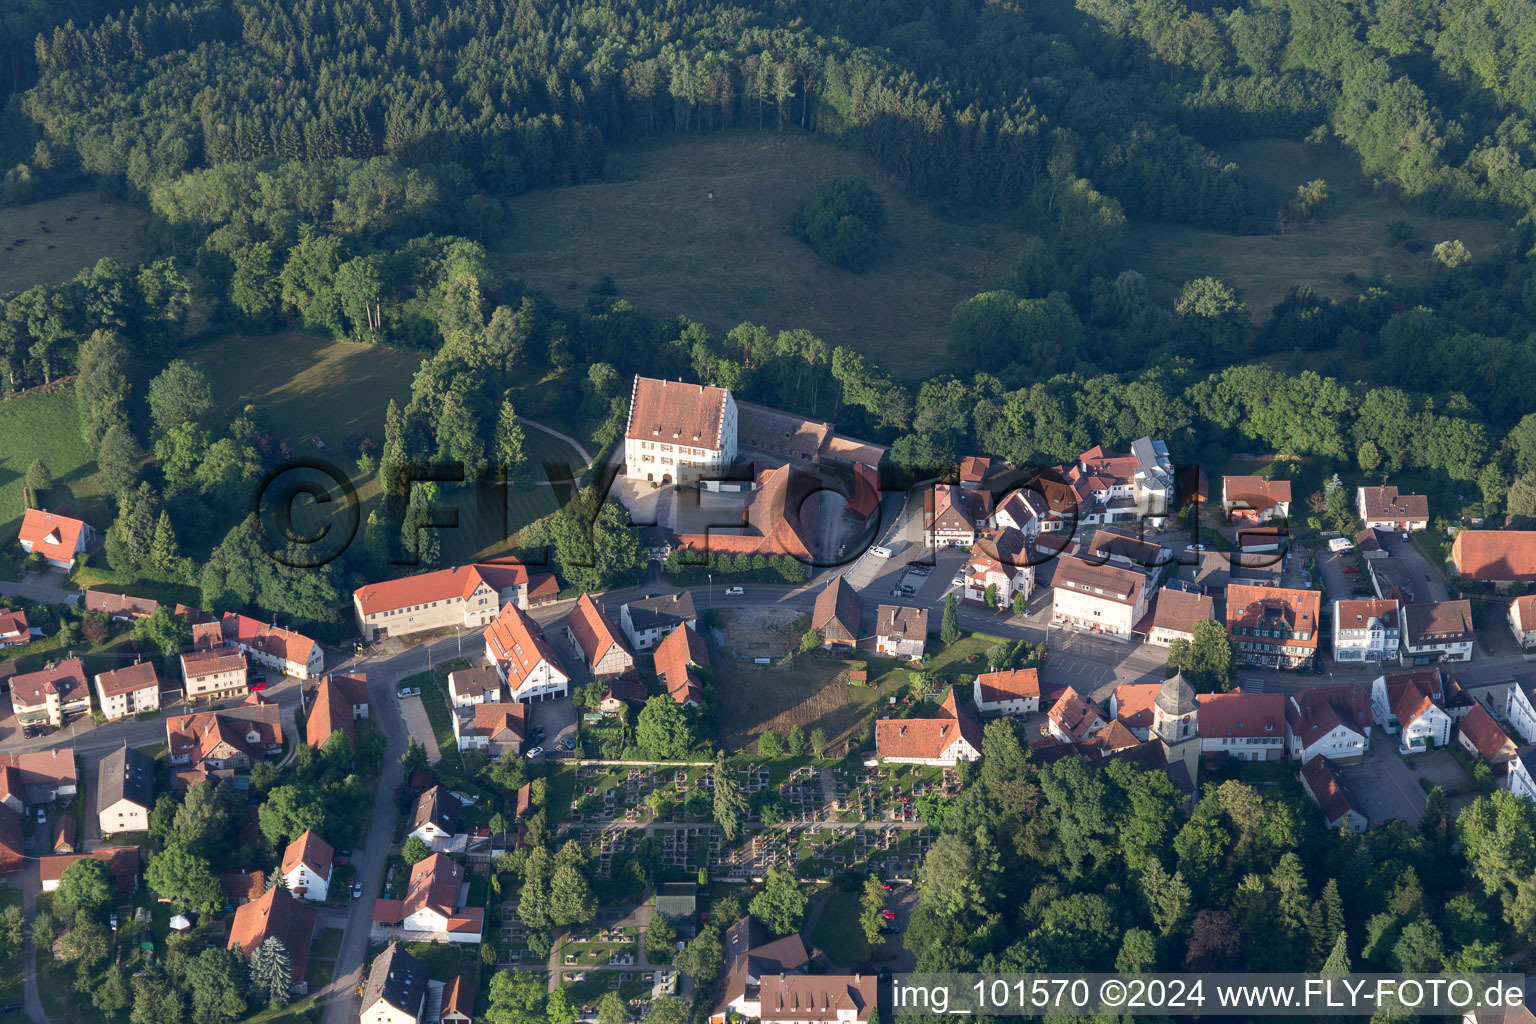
x=1350, y=238
x=670, y=249
x=46, y=426
x=98, y=229
x=319, y=390
x=839, y=934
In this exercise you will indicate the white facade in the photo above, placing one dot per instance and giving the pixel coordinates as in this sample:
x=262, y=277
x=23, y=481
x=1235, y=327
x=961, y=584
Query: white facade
x=1522, y=620
x=1342, y=744
x=1371, y=638
x=1520, y=781
x=1009, y=580
x=130, y=702
x=1097, y=613
x=384, y=1012
x=301, y=877
x=1429, y=653
x=675, y=459
x=1521, y=713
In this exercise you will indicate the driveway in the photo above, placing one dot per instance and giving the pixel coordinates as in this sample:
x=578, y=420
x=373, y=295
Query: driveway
x=1385, y=784
x=50, y=587
x=31, y=884
x=558, y=720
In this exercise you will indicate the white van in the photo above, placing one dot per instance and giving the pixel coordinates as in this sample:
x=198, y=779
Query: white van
x=880, y=552
x=734, y=592
x=1340, y=544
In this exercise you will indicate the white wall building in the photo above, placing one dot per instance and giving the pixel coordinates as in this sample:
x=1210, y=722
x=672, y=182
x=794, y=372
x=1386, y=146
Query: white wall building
x=677, y=432
x=1365, y=631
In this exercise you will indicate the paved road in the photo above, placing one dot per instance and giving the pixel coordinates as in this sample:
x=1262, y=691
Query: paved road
x=339, y=998
x=31, y=885
x=46, y=588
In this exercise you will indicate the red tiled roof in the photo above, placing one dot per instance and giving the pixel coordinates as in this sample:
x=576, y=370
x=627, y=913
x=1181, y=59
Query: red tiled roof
x=311, y=851
x=1251, y=607
x=335, y=699
x=1076, y=715
x=781, y=516
x=67, y=835
x=1523, y=610
x=1312, y=714
x=501, y=722
x=1411, y=694
x=1495, y=555
x=1111, y=739
x=51, y=534
x=838, y=609
x=518, y=644
x=67, y=679
x=1359, y=614
x=434, y=886
x=1015, y=684
x=138, y=676
x=122, y=864
x=671, y=412
x=1484, y=733
x=928, y=737
x=901, y=622
x=1255, y=491
x=594, y=631
x=13, y=623
x=1079, y=576
x=1133, y=704
x=460, y=582
x=542, y=589
x=1441, y=622
x=459, y=997
x=1242, y=715
x=1385, y=503
x=474, y=682
x=1328, y=790
x=974, y=469
x=816, y=997
x=197, y=734
x=212, y=661
x=1179, y=610
x=282, y=644
x=277, y=913
x=119, y=604
x=681, y=649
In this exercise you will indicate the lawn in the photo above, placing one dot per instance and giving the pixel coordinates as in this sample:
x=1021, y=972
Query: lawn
x=434, y=700
x=318, y=390
x=318, y=973
x=327, y=944
x=98, y=229
x=670, y=249
x=838, y=934
x=561, y=789
x=1351, y=238
x=46, y=426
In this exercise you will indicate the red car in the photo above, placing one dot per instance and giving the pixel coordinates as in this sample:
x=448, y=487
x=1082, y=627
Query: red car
x=889, y=915
x=886, y=886
x=1351, y=568
x=260, y=684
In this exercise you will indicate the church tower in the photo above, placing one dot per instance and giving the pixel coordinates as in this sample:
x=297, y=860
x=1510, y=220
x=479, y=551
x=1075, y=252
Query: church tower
x=1176, y=724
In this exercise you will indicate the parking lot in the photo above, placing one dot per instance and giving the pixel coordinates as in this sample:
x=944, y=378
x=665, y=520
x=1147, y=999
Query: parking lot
x=553, y=723
x=1389, y=786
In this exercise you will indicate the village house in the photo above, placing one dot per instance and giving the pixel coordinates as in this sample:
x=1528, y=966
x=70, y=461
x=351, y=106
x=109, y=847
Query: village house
x=1520, y=706
x=1501, y=557
x=983, y=571
x=14, y=629
x=1175, y=613
x=593, y=633
x=132, y=690
x=1130, y=704
x=838, y=615
x=623, y=691
x=1214, y=571
x=1437, y=632
x=433, y=908
x=952, y=515
x=56, y=536
x=213, y=673
x=461, y=597
x=1365, y=631
x=1022, y=511
x=122, y=607
x=1522, y=620
x=276, y=914
x=1340, y=807
x=1014, y=692
x=290, y=653
x=223, y=742
x=1103, y=599
x=1480, y=736
x=1411, y=706
x=1255, y=498
x=436, y=819
x=122, y=867
x=1373, y=543
x=1522, y=773
x=752, y=954
x=1110, y=487
x=1384, y=507
x=496, y=728
x=458, y=1001
x=1245, y=726
x=678, y=433
x=1273, y=626
x=396, y=989
x=647, y=621
x=524, y=659
x=951, y=736
x=39, y=777
x=339, y=702
x=67, y=839
x=125, y=791
x=52, y=695
x=816, y=998
x=779, y=517
x=1074, y=718
x=1329, y=721
x=306, y=867
x=901, y=632
x=470, y=686
x=677, y=659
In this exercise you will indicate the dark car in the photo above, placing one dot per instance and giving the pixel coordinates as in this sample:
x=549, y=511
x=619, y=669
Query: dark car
x=344, y=852
x=11, y=1008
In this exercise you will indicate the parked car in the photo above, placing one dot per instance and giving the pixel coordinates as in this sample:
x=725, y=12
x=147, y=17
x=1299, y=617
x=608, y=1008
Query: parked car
x=258, y=685
x=1351, y=568
x=895, y=591
x=958, y=581
x=880, y=552
x=11, y=1008
x=536, y=752
x=357, y=890
x=918, y=570
x=734, y=592
x=907, y=590
x=42, y=815
x=889, y=915
x=567, y=744
x=345, y=852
